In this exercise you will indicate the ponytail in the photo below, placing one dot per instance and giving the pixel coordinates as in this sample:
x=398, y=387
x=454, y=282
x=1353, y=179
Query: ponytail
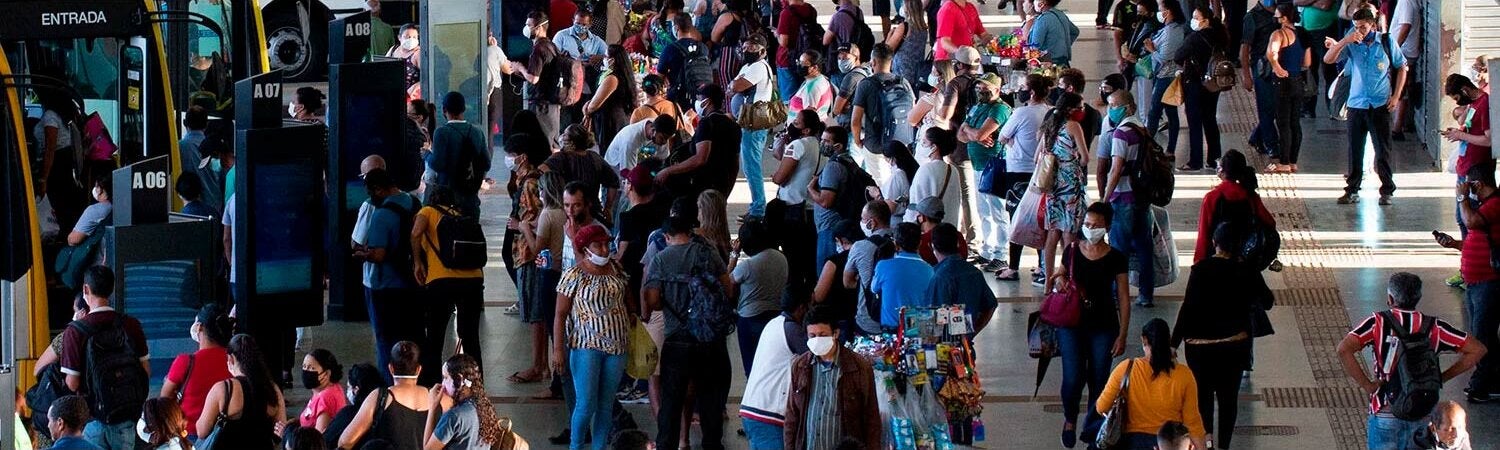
x=1159, y=337
x=1238, y=170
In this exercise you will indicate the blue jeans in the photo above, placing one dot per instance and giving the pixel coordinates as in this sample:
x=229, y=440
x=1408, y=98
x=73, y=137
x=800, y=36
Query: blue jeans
x=120, y=436
x=1130, y=233
x=1158, y=108
x=1390, y=433
x=763, y=436
x=752, y=149
x=787, y=83
x=1483, y=302
x=1086, y=361
x=748, y=332
x=1265, y=110
x=827, y=247
x=596, y=376
x=1138, y=441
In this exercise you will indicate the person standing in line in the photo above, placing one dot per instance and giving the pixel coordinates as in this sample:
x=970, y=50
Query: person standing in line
x=847, y=60
x=909, y=35
x=1403, y=292
x=1021, y=145
x=1473, y=139
x=867, y=126
x=793, y=17
x=960, y=95
x=544, y=235
x=541, y=77
x=800, y=156
x=1377, y=74
x=1480, y=278
x=454, y=144
x=755, y=83
x=958, y=282
x=580, y=43
x=1131, y=230
x=595, y=329
x=980, y=131
x=108, y=429
x=841, y=32
x=580, y=163
x=875, y=221
x=901, y=280
x=1320, y=20
x=1289, y=56
x=448, y=290
x=1100, y=271
x=823, y=189
x=930, y=214
x=1201, y=106
x=762, y=412
x=710, y=162
x=388, y=269
x=759, y=282
x=524, y=151
x=832, y=391
x=1215, y=328
x=1406, y=30
x=250, y=402
x=1054, y=33
x=66, y=419
x=1063, y=138
x=815, y=91
x=673, y=64
x=728, y=37
x=614, y=98
x=161, y=426
x=1163, y=48
x=1254, y=31
x=1161, y=390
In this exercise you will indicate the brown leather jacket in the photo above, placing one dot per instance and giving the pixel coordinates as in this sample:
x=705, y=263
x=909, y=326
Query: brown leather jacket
x=859, y=413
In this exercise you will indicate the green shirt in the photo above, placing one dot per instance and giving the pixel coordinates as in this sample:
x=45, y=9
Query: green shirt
x=1317, y=19
x=382, y=37
x=979, y=154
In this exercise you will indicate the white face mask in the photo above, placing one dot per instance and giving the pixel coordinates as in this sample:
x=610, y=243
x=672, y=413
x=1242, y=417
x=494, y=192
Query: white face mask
x=596, y=259
x=193, y=332
x=609, y=63
x=846, y=66
x=1198, y=25
x=1161, y=17
x=868, y=231
x=820, y=345
x=510, y=162
x=699, y=106
x=932, y=80
x=291, y=109
x=349, y=394
x=97, y=193
x=409, y=44
x=527, y=33
x=140, y=430
x=1094, y=235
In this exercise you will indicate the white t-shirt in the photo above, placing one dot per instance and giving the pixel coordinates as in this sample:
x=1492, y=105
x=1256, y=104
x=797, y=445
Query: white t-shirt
x=52, y=120
x=624, y=152
x=1409, y=13
x=494, y=63
x=1021, y=130
x=928, y=183
x=759, y=74
x=770, y=377
x=896, y=186
x=805, y=152
x=228, y=223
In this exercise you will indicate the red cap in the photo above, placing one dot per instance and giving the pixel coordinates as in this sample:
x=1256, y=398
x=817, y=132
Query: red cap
x=590, y=235
x=640, y=177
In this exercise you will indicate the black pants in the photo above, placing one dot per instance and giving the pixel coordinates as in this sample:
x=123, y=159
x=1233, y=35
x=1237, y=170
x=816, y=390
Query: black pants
x=800, y=244
x=706, y=367
x=1288, y=118
x=275, y=338
x=1102, y=18
x=68, y=201
x=1234, y=19
x=395, y=317
x=1218, y=369
x=1320, y=74
x=444, y=295
x=1377, y=123
x=507, y=254
x=1203, y=124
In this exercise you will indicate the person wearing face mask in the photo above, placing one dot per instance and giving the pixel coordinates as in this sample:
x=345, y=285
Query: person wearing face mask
x=800, y=156
x=1377, y=72
x=363, y=380
x=1289, y=55
x=1131, y=231
x=875, y=223
x=1053, y=32
x=937, y=178
x=448, y=290
x=926, y=112
x=162, y=426
x=763, y=408
x=832, y=391
x=396, y=413
x=755, y=84
x=192, y=375
x=540, y=93
x=900, y=281
x=1200, y=105
x=872, y=126
x=1100, y=272
x=1253, y=32
x=461, y=417
x=96, y=216
x=853, y=72
x=1477, y=212
x=308, y=106
x=816, y=92
x=65, y=421
x=1021, y=145
x=1448, y=429
x=1214, y=322
x=1163, y=48
x=980, y=131
x=388, y=273
x=614, y=99
x=321, y=374
x=1473, y=137
x=710, y=161
x=1160, y=390
x=646, y=139
x=249, y=404
x=830, y=289
x=594, y=328
x=580, y=43
x=1061, y=137
x=409, y=51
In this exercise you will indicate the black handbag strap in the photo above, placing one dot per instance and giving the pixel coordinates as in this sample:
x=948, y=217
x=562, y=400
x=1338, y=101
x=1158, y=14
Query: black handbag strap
x=192, y=359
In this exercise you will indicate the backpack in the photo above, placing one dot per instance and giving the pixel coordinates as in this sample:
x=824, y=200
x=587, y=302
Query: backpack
x=1151, y=177
x=96, y=143
x=710, y=316
x=851, y=197
x=399, y=253
x=809, y=37
x=460, y=241
x=1417, y=377
x=1221, y=74
x=885, y=248
x=569, y=79
x=1261, y=244
x=966, y=98
x=896, y=99
x=463, y=176
x=697, y=70
x=116, y=383
x=50, y=385
x=860, y=36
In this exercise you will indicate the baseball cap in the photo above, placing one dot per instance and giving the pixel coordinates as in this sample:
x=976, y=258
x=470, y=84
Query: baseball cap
x=639, y=177
x=590, y=235
x=991, y=79
x=932, y=207
x=844, y=48
x=966, y=55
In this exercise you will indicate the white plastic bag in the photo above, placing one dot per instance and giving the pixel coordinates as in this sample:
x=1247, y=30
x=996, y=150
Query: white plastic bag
x=1026, y=224
x=1162, y=248
x=48, y=219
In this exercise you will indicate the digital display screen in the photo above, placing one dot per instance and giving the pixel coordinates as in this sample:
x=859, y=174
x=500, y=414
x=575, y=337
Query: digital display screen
x=368, y=125
x=165, y=284
x=286, y=230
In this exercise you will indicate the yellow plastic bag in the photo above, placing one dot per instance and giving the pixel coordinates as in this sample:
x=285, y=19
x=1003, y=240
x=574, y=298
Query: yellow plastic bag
x=1173, y=94
x=642, y=355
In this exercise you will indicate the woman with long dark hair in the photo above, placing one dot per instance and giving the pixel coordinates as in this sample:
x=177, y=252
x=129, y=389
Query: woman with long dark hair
x=614, y=99
x=462, y=402
x=908, y=35
x=1063, y=140
x=363, y=380
x=1234, y=199
x=524, y=152
x=1289, y=54
x=249, y=404
x=1099, y=270
x=1208, y=39
x=322, y=374
x=1161, y=390
x=58, y=181
x=193, y=374
x=729, y=35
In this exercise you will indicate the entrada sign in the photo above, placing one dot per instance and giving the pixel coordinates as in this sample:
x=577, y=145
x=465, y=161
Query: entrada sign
x=69, y=19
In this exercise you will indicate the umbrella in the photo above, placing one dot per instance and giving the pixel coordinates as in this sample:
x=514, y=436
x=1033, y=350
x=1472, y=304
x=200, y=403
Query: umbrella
x=1042, y=339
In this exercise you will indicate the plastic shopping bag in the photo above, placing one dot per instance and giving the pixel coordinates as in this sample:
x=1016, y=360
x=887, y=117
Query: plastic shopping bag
x=1026, y=225
x=1162, y=248
x=50, y=227
x=642, y=358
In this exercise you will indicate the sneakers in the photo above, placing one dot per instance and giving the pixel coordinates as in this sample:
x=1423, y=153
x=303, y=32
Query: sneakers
x=1144, y=302
x=633, y=396
x=1385, y=200
x=1479, y=397
x=1349, y=199
x=512, y=310
x=1457, y=280
x=1038, y=280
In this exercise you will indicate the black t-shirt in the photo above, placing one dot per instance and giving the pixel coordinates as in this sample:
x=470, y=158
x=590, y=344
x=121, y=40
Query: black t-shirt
x=636, y=225
x=540, y=64
x=1097, y=279
x=723, y=135
x=870, y=95
x=1259, y=24
x=844, y=300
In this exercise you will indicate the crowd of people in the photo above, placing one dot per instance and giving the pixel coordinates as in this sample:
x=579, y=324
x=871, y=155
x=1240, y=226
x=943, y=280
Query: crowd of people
x=902, y=164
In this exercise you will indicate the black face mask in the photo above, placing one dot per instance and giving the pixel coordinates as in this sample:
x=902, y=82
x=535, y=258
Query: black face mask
x=750, y=57
x=310, y=379
x=800, y=70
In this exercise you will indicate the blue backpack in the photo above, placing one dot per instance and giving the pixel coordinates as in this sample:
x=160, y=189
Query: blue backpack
x=710, y=316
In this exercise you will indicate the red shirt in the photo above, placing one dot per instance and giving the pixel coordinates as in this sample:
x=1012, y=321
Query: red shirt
x=75, y=344
x=560, y=16
x=1476, y=121
x=790, y=25
x=959, y=23
x=210, y=366
x=925, y=248
x=1445, y=338
x=1227, y=191
x=1474, y=257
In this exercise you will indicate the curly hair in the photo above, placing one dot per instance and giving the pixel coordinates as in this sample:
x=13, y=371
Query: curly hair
x=468, y=385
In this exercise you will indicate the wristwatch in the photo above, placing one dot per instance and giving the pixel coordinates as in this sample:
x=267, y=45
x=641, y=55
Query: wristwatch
x=1461, y=198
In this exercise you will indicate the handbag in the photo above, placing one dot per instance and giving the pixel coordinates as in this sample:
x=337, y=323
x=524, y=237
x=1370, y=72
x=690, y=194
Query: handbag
x=1143, y=67
x=1045, y=175
x=208, y=442
x=1064, y=307
x=1112, y=431
x=1173, y=94
x=756, y=116
x=992, y=180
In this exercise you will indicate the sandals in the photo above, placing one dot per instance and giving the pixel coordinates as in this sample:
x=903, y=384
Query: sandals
x=1187, y=168
x=518, y=379
x=1008, y=274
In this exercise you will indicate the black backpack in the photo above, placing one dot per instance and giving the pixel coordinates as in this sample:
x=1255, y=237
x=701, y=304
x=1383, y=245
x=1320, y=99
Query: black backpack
x=885, y=248
x=1417, y=379
x=851, y=197
x=710, y=315
x=809, y=37
x=696, y=71
x=116, y=383
x=896, y=99
x=399, y=252
x=966, y=97
x=861, y=36
x=50, y=385
x=460, y=241
x=1261, y=244
x=464, y=176
x=1151, y=177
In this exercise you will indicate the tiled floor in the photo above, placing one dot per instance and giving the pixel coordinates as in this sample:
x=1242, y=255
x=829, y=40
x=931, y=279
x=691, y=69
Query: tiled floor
x=1337, y=260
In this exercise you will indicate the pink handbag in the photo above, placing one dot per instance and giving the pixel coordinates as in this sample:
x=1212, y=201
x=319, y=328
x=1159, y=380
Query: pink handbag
x=1064, y=307
x=97, y=144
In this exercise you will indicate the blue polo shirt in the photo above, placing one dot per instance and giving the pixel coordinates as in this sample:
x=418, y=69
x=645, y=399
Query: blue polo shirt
x=900, y=281
x=386, y=232
x=1370, y=71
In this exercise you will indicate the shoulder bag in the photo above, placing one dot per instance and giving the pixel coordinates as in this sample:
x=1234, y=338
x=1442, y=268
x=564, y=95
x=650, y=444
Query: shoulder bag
x=1112, y=431
x=209, y=442
x=1064, y=307
x=756, y=115
x=1045, y=176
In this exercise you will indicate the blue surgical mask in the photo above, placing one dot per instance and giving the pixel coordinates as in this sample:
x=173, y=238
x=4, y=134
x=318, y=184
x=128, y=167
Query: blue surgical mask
x=1116, y=114
x=1268, y=3
x=215, y=166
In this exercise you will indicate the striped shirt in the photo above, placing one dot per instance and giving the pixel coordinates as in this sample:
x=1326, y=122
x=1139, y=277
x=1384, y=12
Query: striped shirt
x=823, y=431
x=1372, y=331
x=598, y=320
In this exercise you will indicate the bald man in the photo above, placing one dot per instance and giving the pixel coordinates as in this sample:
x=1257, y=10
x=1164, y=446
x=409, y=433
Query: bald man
x=1448, y=429
x=362, y=222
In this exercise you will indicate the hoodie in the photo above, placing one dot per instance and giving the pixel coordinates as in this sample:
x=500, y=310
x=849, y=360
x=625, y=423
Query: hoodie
x=1225, y=192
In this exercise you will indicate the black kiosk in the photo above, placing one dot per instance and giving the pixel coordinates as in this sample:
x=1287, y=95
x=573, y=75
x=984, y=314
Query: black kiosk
x=366, y=116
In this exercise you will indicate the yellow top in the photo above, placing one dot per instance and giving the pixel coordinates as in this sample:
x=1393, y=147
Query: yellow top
x=435, y=268
x=1154, y=401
